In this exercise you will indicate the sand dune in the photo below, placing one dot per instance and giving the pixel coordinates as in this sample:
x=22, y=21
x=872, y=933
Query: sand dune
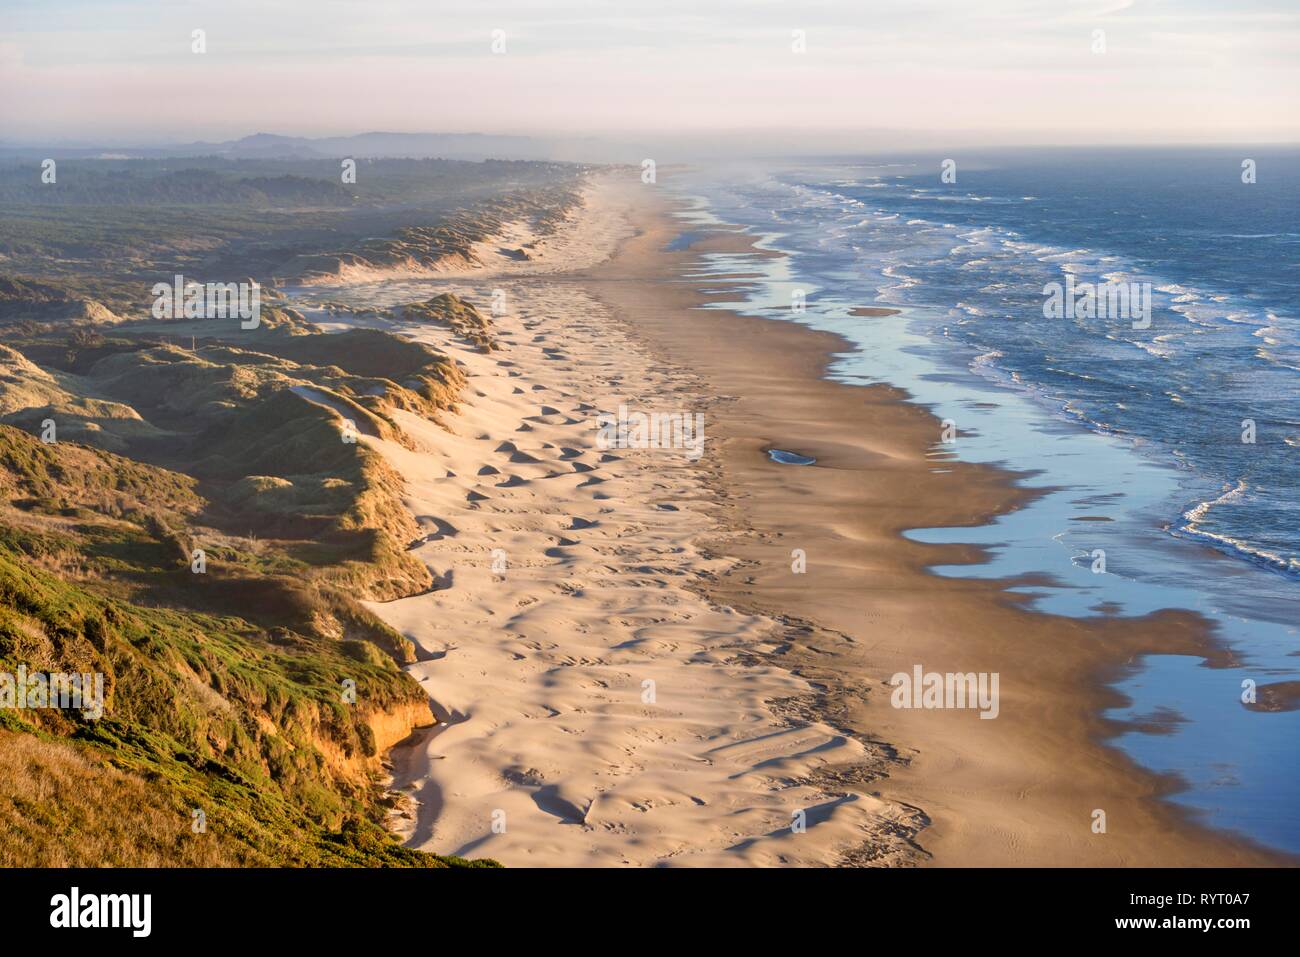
x=594, y=709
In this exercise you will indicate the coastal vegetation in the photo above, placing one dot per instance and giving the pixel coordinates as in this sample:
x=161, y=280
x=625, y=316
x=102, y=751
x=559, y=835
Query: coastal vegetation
x=449, y=310
x=186, y=510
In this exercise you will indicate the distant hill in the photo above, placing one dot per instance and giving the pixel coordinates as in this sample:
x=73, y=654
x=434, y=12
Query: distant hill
x=460, y=146
x=467, y=146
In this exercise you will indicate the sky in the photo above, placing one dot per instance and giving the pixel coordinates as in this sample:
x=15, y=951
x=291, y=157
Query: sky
x=912, y=71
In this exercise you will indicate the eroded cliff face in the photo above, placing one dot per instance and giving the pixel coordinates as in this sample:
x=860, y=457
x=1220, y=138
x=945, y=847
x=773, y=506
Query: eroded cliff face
x=384, y=727
x=396, y=724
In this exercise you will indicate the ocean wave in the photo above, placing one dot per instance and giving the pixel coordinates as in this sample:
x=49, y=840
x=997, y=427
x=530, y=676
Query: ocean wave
x=1210, y=339
x=1194, y=516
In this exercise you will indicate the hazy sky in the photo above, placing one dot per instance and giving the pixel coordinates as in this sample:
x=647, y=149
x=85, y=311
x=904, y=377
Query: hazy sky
x=997, y=70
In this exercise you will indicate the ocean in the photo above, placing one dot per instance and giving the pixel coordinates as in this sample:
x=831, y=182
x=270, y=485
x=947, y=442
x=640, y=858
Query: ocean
x=1166, y=443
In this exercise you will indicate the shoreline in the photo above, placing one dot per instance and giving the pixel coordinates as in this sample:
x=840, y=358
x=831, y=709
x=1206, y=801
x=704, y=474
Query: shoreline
x=947, y=787
x=1035, y=815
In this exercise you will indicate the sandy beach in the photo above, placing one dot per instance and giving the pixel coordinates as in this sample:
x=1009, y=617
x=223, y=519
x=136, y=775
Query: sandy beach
x=642, y=657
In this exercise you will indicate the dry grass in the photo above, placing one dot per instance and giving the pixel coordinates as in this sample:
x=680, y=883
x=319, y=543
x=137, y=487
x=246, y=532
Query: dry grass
x=59, y=808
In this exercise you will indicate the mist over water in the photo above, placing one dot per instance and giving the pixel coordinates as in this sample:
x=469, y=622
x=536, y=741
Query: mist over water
x=1137, y=432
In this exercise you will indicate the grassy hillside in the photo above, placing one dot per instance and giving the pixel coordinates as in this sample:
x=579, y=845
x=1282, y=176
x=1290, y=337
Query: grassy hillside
x=225, y=689
x=249, y=724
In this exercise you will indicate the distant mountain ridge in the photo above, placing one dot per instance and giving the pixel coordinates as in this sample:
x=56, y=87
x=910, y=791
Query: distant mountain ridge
x=472, y=146
x=459, y=146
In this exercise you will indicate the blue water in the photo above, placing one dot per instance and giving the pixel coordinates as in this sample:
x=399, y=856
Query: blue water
x=1154, y=500
x=790, y=458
